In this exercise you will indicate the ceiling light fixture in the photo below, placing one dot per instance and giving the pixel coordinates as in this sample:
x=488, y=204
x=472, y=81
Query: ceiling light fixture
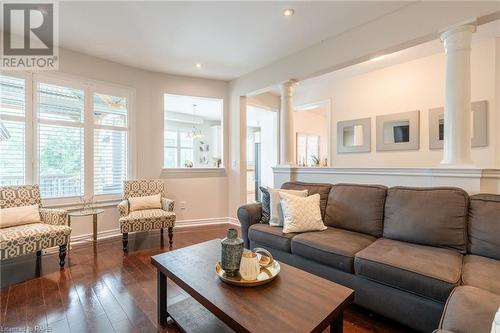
x=198, y=65
x=288, y=12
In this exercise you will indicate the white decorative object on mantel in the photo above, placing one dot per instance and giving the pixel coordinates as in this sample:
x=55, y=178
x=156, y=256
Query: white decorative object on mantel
x=495, y=327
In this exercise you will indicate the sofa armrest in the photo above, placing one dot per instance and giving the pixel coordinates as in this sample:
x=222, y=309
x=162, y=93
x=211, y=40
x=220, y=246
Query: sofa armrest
x=123, y=208
x=167, y=204
x=249, y=214
x=53, y=216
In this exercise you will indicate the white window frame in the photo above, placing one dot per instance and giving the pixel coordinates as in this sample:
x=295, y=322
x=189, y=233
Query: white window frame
x=178, y=148
x=181, y=171
x=89, y=86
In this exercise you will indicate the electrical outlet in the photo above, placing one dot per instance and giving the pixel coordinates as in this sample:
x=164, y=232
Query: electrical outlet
x=183, y=205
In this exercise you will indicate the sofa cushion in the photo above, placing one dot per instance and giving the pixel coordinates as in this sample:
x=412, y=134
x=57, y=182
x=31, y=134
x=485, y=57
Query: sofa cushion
x=482, y=272
x=430, y=216
x=470, y=310
x=423, y=270
x=270, y=236
x=333, y=247
x=28, y=238
x=322, y=189
x=484, y=225
x=357, y=208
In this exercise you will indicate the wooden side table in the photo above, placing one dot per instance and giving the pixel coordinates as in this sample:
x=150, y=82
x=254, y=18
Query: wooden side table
x=80, y=213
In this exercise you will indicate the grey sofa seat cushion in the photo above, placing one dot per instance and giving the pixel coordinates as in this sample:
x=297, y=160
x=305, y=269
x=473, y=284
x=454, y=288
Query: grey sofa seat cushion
x=470, y=310
x=323, y=189
x=273, y=237
x=430, y=216
x=333, y=247
x=357, y=208
x=423, y=270
x=482, y=272
x=484, y=225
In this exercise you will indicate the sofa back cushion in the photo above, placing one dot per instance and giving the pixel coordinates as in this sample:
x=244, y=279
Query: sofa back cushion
x=484, y=225
x=434, y=216
x=322, y=189
x=357, y=208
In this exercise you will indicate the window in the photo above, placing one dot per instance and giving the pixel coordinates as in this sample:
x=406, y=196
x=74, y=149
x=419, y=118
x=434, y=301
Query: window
x=60, y=113
x=110, y=143
x=192, y=132
x=73, y=141
x=307, y=149
x=12, y=131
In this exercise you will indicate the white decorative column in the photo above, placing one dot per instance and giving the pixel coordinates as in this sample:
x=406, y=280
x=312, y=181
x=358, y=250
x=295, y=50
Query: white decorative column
x=457, y=112
x=287, y=136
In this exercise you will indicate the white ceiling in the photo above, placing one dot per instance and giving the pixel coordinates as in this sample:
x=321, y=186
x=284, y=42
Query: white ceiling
x=229, y=39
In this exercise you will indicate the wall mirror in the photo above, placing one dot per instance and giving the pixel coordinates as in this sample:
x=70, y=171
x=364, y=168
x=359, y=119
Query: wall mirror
x=398, y=131
x=479, y=125
x=354, y=136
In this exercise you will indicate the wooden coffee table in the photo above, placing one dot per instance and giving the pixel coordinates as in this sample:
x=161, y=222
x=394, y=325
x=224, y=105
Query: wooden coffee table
x=296, y=301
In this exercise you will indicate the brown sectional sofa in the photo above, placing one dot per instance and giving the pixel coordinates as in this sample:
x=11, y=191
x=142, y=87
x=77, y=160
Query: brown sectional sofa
x=409, y=253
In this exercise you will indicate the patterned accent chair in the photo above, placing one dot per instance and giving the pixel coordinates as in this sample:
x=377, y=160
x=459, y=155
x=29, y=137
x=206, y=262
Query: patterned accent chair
x=34, y=237
x=148, y=219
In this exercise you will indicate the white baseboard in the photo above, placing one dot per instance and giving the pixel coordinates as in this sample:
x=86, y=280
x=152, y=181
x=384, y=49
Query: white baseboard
x=178, y=224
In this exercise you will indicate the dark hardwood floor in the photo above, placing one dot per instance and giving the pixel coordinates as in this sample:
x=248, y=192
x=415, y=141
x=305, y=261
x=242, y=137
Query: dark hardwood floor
x=103, y=290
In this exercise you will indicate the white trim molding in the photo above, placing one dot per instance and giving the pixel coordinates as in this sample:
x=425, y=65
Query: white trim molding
x=178, y=225
x=473, y=180
x=193, y=172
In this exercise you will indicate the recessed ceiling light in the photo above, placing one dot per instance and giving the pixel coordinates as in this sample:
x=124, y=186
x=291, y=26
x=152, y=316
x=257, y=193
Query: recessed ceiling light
x=288, y=12
x=198, y=65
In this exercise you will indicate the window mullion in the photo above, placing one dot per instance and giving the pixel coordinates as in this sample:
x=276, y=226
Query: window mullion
x=88, y=142
x=33, y=123
x=29, y=114
x=178, y=149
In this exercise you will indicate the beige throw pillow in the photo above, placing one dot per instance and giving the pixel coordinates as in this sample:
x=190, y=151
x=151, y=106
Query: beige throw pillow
x=301, y=214
x=276, y=219
x=147, y=202
x=10, y=217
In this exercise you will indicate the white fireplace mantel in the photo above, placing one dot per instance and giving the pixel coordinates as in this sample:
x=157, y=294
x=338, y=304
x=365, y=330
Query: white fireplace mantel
x=473, y=180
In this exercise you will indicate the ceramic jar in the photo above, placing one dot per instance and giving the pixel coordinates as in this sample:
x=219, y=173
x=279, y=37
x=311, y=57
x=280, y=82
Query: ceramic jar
x=232, y=249
x=249, y=266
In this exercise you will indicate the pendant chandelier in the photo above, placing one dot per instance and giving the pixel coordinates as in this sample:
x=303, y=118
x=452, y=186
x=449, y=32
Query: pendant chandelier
x=195, y=132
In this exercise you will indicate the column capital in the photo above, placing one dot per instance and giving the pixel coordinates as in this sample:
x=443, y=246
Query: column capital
x=458, y=38
x=287, y=87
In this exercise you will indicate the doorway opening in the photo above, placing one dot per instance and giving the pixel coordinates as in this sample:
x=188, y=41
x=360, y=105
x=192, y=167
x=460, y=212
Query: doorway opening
x=262, y=149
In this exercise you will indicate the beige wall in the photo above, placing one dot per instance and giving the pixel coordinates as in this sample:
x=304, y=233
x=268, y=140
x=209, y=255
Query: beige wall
x=205, y=196
x=413, y=85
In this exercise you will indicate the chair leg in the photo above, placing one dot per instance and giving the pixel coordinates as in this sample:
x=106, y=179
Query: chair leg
x=161, y=231
x=39, y=253
x=170, y=235
x=125, y=241
x=62, y=255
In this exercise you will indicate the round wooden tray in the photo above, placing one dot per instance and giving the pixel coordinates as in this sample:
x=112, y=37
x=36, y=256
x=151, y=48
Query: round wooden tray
x=266, y=275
